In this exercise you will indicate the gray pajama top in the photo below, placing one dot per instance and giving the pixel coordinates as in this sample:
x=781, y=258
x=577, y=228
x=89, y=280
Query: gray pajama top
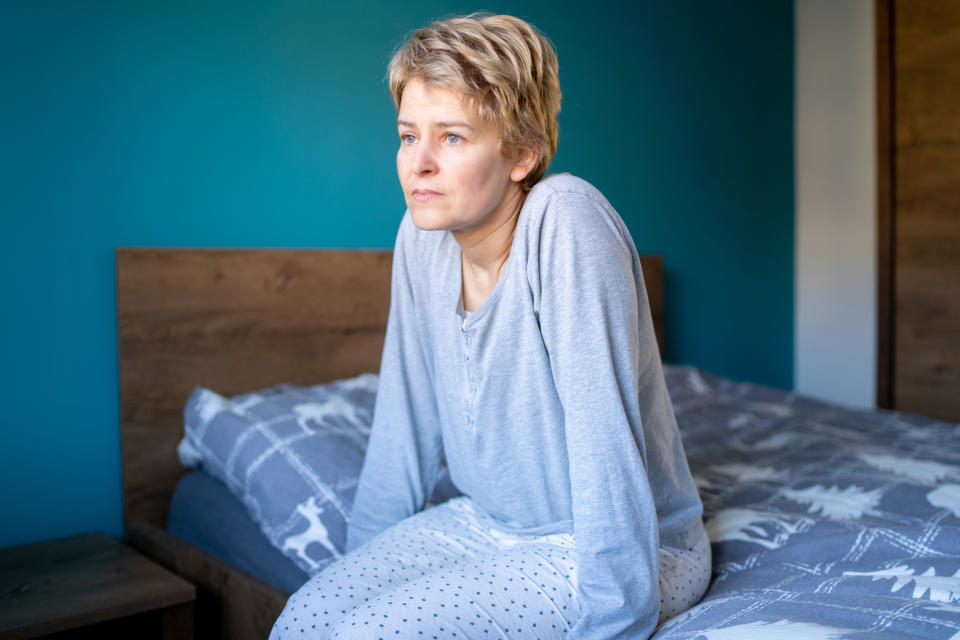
x=548, y=402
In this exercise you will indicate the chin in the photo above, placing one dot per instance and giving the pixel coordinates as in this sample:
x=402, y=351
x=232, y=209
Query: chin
x=429, y=220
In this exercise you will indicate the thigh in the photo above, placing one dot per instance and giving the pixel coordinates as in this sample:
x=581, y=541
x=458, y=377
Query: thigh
x=523, y=590
x=437, y=538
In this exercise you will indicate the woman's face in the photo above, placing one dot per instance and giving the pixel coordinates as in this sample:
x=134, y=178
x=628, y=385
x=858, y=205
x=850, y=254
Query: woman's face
x=451, y=171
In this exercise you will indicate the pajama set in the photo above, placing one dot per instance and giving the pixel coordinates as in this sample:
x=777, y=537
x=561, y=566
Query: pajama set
x=579, y=517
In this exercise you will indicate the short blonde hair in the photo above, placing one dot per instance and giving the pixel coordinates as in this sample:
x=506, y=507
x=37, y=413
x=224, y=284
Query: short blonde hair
x=501, y=65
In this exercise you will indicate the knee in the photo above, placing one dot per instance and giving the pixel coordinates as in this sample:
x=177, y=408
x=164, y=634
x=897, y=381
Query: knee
x=359, y=624
x=383, y=617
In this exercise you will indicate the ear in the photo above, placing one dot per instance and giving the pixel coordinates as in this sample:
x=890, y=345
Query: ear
x=524, y=164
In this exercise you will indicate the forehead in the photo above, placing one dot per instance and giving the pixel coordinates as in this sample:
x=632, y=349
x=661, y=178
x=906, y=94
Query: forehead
x=420, y=100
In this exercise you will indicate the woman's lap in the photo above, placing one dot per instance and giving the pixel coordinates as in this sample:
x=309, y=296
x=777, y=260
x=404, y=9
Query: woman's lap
x=525, y=591
x=445, y=562
x=441, y=573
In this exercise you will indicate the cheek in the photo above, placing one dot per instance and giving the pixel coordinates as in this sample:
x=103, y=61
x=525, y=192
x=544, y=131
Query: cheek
x=489, y=177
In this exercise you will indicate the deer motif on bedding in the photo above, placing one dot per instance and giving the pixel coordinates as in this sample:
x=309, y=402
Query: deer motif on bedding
x=315, y=532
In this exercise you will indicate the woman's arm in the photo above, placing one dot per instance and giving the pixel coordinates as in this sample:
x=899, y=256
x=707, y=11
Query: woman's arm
x=405, y=451
x=590, y=323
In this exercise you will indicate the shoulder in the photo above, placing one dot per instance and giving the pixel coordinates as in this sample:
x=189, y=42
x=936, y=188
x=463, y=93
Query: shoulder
x=409, y=235
x=407, y=231
x=406, y=257
x=564, y=207
x=565, y=189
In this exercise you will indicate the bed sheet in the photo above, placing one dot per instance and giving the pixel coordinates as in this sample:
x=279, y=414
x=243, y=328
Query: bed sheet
x=825, y=522
x=206, y=514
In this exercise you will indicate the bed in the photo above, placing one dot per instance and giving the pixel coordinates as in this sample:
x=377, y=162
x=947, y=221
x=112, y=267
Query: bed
x=825, y=522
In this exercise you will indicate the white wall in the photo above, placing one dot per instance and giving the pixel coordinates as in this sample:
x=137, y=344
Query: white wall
x=835, y=271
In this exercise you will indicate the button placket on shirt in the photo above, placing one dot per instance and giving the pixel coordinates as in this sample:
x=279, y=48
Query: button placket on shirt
x=471, y=385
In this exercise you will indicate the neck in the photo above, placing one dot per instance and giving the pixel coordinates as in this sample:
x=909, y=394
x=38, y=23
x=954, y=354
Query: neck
x=485, y=249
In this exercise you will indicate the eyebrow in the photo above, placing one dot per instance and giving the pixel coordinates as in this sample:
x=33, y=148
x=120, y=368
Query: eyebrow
x=442, y=125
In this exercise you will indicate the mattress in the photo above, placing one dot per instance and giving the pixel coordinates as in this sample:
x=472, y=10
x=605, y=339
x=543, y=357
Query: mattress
x=825, y=522
x=205, y=513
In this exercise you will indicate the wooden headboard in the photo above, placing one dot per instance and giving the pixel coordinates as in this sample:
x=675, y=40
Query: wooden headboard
x=239, y=320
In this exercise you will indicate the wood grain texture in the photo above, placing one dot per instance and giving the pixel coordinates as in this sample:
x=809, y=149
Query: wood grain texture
x=233, y=321
x=50, y=587
x=926, y=325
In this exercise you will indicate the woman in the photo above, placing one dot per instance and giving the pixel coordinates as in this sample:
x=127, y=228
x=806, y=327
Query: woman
x=521, y=352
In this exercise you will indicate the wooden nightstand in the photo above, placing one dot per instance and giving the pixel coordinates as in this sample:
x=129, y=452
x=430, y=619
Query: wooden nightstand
x=90, y=586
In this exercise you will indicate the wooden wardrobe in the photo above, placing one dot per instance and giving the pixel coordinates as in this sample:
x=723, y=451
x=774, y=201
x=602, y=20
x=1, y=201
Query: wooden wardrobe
x=918, y=148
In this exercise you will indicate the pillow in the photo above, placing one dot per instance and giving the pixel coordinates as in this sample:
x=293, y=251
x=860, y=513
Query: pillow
x=292, y=454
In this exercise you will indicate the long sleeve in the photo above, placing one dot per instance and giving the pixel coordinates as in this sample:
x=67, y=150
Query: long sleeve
x=599, y=342
x=405, y=451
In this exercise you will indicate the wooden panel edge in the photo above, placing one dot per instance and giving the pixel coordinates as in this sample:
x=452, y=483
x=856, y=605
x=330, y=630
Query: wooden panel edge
x=653, y=279
x=230, y=603
x=885, y=167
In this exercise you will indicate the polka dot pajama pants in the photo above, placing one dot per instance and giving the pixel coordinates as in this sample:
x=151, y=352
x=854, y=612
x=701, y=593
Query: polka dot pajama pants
x=443, y=574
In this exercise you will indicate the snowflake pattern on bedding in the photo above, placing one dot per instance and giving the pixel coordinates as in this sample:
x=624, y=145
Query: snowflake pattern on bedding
x=825, y=522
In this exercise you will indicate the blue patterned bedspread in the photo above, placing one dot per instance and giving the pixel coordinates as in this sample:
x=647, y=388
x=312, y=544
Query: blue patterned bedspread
x=826, y=522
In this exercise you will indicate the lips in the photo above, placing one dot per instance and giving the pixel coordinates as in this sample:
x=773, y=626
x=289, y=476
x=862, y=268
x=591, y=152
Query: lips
x=425, y=195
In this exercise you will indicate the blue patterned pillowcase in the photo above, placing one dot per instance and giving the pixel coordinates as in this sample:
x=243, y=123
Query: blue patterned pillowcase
x=293, y=455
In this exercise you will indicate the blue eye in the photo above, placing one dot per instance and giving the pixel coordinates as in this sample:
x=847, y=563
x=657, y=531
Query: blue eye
x=453, y=138
x=407, y=138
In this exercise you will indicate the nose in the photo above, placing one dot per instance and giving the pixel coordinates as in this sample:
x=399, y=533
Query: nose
x=425, y=159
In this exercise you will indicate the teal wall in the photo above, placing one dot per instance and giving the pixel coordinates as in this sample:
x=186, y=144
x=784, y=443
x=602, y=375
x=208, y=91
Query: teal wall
x=240, y=124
